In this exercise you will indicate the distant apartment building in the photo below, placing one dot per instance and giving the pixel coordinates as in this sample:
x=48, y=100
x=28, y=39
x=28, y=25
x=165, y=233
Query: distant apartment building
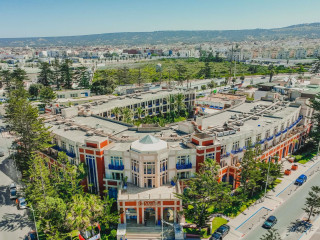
x=300, y=53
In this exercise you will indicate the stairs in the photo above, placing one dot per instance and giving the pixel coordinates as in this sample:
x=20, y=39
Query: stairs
x=142, y=232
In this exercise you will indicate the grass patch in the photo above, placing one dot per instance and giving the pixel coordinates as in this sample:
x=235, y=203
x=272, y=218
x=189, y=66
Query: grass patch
x=305, y=157
x=217, y=222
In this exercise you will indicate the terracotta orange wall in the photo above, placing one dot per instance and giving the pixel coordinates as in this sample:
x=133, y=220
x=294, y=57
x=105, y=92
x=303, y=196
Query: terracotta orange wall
x=130, y=203
x=104, y=143
x=207, y=143
x=101, y=172
x=89, y=151
x=199, y=161
x=92, y=145
x=168, y=202
x=195, y=141
x=140, y=215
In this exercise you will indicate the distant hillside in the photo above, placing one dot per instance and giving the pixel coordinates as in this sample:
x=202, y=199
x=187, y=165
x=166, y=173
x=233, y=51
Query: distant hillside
x=311, y=30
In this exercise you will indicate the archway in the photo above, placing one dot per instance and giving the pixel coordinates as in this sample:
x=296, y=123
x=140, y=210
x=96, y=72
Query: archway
x=149, y=217
x=283, y=152
x=131, y=216
x=290, y=149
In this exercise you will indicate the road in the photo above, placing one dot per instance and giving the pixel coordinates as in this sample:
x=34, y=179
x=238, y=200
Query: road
x=289, y=211
x=14, y=223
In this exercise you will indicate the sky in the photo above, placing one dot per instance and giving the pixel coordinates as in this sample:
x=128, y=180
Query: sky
x=42, y=18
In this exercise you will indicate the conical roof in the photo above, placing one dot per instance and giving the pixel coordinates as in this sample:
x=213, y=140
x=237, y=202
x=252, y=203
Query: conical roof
x=149, y=143
x=149, y=139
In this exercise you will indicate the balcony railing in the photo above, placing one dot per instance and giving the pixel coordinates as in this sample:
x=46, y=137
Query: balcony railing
x=227, y=154
x=183, y=166
x=116, y=167
x=60, y=149
x=270, y=138
x=237, y=151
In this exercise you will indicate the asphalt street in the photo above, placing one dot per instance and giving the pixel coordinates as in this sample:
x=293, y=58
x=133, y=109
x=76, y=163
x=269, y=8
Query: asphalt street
x=14, y=223
x=289, y=213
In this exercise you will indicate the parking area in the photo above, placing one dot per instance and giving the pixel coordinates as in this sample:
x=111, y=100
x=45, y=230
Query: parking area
x=14, y=223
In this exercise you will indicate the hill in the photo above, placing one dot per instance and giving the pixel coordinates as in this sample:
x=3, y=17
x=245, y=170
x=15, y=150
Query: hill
x=311, y=30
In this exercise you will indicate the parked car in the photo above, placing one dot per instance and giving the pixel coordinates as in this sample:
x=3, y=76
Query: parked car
x=270, y=222
x=31, y=236
x=13, y=194
x=221, y=232
x=21, y=203
x=301, y=180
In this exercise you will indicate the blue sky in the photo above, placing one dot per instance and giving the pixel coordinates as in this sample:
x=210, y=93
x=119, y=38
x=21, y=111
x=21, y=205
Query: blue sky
x=36, y=18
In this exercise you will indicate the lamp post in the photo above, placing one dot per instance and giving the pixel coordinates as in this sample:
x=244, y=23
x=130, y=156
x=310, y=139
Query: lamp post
x=265, y=189
x=34, y=219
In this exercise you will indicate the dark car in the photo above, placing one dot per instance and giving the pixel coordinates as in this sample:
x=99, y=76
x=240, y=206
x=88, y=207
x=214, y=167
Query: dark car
x=301, y=180
x=270, y=222
x=221, y=232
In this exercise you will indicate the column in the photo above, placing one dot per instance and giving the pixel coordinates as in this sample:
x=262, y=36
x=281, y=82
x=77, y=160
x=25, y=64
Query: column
x=125, y=215
x=174, y=213
x=138, y=210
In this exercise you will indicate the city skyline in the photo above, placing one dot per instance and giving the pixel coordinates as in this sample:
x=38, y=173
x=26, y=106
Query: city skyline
x=64, y=18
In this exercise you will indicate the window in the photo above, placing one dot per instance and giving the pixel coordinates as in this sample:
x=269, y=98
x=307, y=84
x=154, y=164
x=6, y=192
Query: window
x=135, y=166
x=235, y=145
x=63, y=145
x=258, y=138
x=223, y=149
x=71, y=148
x=275, y=130
x=117, y=176
x=91, y=163
x=268, y=133
x=163, y=165
x=149, y=168
x=183, y=175
x=282, y=126
x=116, y=161
x=73, y=95
x=185, y=159
x=135, y=179
x=149, y=182
x=210, y=155
x=248, y=142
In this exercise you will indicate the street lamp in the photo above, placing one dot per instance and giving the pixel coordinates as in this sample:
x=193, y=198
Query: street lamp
x=34, y=219
x=265, y=189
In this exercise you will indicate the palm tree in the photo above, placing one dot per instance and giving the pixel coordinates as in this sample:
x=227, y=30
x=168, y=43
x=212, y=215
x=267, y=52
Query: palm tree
x=271, y=72
x=127, y=115
x=180, y=102
x=116, y=111
x=172, y=103
x=140, y=111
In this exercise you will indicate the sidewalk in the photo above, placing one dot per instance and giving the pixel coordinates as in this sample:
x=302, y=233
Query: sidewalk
x=251, y=217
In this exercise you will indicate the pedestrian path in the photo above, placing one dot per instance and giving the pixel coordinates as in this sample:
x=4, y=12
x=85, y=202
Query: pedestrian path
x=257, y=212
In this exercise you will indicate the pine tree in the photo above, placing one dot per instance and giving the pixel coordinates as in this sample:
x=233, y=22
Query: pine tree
x=312, y=205
x=23, y=119
x=47, y=95
x=272, y=234
x=46, y=74
x=204, y=192
x=66, y=74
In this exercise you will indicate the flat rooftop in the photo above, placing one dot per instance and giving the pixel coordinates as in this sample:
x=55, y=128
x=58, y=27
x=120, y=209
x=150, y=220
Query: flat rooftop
x=136, y=193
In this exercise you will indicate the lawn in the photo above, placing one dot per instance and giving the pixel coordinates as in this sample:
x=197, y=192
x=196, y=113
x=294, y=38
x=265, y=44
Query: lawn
x=217, y=222
x=305, y=157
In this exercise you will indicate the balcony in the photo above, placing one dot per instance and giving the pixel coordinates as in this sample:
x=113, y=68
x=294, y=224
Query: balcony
x=237, y=151
x=183, y=166
x=262, y=141
x=270, y=138
x=225, y=155
x=69, y=154
x=116, y=167
x=278, y=134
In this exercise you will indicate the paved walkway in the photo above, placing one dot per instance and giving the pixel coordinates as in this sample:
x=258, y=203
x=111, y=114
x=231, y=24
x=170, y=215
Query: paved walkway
x=256, y=213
